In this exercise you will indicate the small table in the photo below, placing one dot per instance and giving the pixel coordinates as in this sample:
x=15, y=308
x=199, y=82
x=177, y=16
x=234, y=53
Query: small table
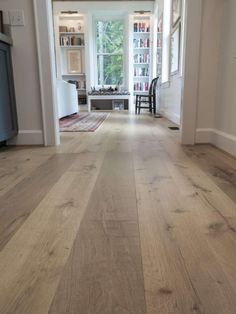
x=108, y=95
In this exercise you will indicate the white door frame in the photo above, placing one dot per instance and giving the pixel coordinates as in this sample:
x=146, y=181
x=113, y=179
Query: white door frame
x=191, y=63
x=47, y=71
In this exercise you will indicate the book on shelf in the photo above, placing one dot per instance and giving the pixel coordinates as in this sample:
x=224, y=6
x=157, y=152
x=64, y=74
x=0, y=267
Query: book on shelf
x=141, y=43
x=141, y=71
x=159, y=56
x=141, y=86
x=160, y=24
x=71, y=40
x=141, y=27
x=159, y=43
x=141, y=58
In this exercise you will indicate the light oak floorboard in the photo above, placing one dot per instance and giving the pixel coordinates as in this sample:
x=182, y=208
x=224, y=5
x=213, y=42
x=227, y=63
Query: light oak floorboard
x=122, y=220
x=104, y=272
x=216, y=166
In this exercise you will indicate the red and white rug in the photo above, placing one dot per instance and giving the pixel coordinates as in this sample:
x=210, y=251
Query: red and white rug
x=82, y=122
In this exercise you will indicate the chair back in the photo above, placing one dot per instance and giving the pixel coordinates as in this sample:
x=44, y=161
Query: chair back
x=154, y=89
x=153, y=86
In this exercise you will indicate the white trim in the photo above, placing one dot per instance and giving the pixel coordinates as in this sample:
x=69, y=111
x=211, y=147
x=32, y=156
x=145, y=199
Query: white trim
x=192, y=44
x=170, y=116
x=107, y=18
x=165, y=85
x=204, y=135
x=223, y=140
x=28, y=137
x=47, y=70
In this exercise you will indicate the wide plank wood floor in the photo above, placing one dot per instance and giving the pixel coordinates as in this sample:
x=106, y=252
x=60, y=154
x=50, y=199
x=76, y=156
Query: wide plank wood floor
x=124, y=220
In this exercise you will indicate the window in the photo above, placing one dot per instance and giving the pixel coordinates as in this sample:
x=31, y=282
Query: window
x=110, y=52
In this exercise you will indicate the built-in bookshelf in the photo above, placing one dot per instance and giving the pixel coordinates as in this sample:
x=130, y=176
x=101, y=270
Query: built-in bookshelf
x=71, y=50
x=141, y=54
x=71, y=39
x=159, y=45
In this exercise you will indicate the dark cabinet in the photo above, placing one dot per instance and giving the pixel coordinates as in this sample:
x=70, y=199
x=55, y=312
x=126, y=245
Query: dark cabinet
x=8, y=116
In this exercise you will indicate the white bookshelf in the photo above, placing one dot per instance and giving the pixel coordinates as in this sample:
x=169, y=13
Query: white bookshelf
x=70, y=36
x=141, y=53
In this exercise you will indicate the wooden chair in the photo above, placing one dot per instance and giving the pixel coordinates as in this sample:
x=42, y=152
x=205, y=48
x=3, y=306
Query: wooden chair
x=147, y=101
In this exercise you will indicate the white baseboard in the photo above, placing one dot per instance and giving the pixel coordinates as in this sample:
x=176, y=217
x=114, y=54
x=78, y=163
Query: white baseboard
x=27, y=137
x=170, y=116
x=223, y=140
x=204, y=135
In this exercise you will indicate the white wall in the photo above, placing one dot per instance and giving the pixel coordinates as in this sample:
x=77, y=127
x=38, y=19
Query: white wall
x=226, y=96
x=25, y=67
x=216, y=118
x=170, y=101
x=171, y=92
x=225, y=114
x=212, y=12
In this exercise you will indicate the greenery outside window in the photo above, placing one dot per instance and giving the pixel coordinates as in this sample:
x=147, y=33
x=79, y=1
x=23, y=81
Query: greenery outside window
x=110, y=52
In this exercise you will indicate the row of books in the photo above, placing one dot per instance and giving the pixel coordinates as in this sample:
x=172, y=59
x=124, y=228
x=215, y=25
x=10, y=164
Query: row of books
x=142, y=58
x=159, y=43
x=159, y=56
x=71, y=40
x=141, y=71
x=141, y=27
x=142, y=43
x=141, y=86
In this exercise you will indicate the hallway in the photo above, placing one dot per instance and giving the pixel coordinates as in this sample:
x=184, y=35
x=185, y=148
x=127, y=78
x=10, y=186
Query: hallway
x=122, y=220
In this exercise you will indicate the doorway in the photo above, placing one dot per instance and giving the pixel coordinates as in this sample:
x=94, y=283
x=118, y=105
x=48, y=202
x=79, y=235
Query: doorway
x=47, y=70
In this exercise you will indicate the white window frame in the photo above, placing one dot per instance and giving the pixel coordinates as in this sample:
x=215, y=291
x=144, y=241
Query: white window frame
x=108, y=18
x=166, y=41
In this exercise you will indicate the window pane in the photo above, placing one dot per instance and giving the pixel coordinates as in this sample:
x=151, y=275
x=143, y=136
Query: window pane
x=110, y=69
x=110, y=36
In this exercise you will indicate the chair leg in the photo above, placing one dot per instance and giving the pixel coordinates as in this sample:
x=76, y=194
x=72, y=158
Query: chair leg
x=136, y=104
x=139, y=105
x=150, y=105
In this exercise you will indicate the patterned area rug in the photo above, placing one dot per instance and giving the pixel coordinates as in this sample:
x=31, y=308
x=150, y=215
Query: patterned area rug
x=82, y=122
